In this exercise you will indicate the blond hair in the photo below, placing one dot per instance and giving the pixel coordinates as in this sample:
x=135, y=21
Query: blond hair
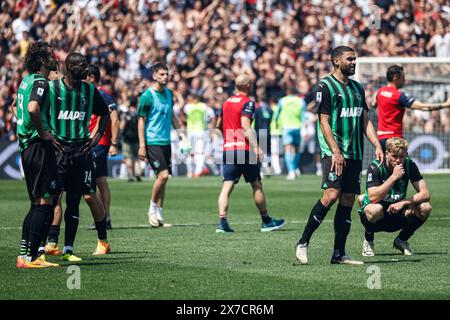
x=396, y=145
x=242, y=81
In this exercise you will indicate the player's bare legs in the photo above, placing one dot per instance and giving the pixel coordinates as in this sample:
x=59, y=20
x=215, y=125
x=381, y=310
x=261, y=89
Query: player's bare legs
x=158, y=192
x=258, y=195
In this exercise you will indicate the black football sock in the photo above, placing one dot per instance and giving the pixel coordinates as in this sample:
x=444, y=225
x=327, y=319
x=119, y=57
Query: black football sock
x=265, y=217
x=53, y=233
x=369, y=236
x=101, y=229
x=48, y=224
x=412, y=225
x=342, y=225
x=318, y=213
x=26, y=231
x=71, y=218
x=37, y=228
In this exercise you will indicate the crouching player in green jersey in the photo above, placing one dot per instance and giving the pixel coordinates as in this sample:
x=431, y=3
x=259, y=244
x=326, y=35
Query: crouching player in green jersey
x=385, y=206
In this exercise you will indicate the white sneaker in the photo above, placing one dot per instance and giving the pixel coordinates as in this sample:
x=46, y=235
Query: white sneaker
x=160, y=219
x=291, y=176
x=368, y=248
x=345, y=259
x=301, y=253
x=319, y=169
x=298, y=173
x=403, y=246
x=153, y=219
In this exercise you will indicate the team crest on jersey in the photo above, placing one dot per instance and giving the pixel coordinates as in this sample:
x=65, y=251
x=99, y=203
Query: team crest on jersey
x=156, y=164
x=369, y=177
x=40, y=91
x=332, y=176
x=84, y=101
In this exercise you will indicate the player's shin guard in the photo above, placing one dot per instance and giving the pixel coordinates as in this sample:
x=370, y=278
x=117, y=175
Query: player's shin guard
x=101, y=229
x=71, y=218
x=342, y=224
x=318, y=213
x=37, y=228
x=412, y=225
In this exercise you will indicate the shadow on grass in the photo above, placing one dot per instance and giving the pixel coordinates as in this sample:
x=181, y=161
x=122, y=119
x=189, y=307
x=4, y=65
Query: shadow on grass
x=415, y=254
x=129, y=228
x=94, y=263
x=134, y=253
x=391, y=261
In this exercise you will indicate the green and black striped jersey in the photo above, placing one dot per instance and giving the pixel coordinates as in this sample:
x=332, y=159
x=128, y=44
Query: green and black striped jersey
x=34, y=87
x=377, y=175
x=71, y=110
x=345, y=104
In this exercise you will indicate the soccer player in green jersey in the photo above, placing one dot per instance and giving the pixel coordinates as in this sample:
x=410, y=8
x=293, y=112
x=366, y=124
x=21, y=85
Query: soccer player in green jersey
x=156, y=117
x=37, y=147
x=385, y=206
x=291, y=115
x=343, y=122
x=72, y=101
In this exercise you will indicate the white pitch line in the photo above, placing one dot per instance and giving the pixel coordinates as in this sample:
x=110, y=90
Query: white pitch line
x=206, y=224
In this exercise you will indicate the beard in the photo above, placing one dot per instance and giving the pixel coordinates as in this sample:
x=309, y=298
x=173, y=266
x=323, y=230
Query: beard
x=348, y=70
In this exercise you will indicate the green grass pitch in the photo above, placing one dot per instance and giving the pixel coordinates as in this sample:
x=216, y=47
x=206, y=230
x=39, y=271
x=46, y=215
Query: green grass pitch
x=191, y=261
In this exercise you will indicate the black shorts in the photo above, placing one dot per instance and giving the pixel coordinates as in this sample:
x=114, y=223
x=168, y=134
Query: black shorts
x=39, y=166
x=389, y=223
x=160, y=158
x=101, y=160
x=76, y=170
x=238, y=163
x=350, y=179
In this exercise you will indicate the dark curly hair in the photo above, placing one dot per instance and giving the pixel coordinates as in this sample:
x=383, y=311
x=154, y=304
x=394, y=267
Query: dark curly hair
x=37, y=53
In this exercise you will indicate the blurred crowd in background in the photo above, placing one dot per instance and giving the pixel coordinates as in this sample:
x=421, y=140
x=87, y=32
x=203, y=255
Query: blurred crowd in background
x=280, y=44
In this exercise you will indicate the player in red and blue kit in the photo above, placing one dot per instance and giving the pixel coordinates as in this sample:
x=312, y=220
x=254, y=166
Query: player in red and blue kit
x=391, y=104
x=107, y=145
x=241, y=155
